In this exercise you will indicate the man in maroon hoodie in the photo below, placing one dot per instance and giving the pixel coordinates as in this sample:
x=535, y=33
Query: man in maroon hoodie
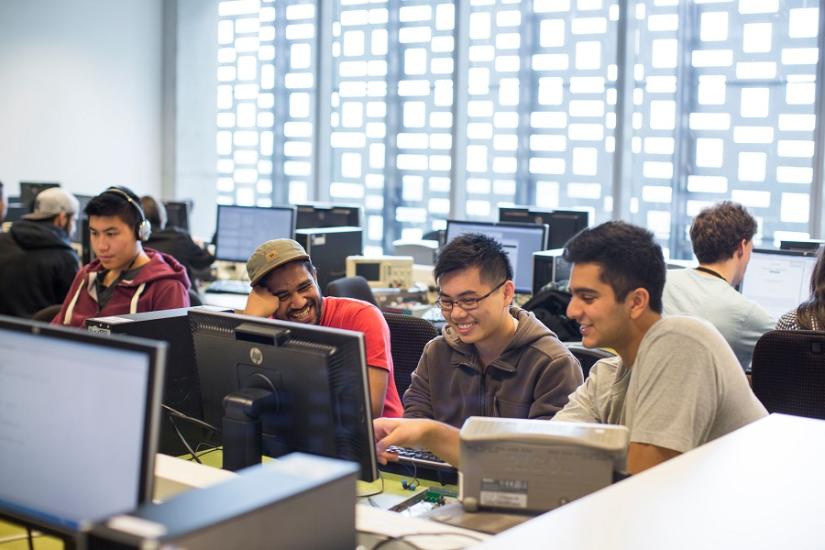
x=125, y=277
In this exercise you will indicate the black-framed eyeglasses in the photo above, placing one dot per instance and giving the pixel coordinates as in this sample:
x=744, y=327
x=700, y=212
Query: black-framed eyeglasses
x=467, y=304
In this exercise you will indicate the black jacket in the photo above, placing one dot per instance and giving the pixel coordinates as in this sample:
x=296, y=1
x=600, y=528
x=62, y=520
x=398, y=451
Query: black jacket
x=179, y=245
x=37, y=265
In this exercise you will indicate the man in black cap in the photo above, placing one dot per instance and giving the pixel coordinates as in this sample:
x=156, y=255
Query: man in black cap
x=37, y=262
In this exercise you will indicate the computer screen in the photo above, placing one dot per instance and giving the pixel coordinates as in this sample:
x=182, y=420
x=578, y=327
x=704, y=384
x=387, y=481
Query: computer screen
x=562, y=224
x=305, y=384
x=240, y=229
x=177, y=214
x=519, y=241
x=81, y=215
x=78, y=423
x=778, y=280
x=30, y=189
x=316, y=214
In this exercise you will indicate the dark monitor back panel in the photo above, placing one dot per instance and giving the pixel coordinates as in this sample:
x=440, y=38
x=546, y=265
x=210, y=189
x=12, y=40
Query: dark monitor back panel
x=315, y=215
x=15, y=211
x=30, y=189
x=177, y=214
x=562, y=224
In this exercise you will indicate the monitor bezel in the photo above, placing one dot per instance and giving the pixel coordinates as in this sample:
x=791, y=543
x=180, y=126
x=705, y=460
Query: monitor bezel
x=152, y=409
x=219, y=256
x=29, y=186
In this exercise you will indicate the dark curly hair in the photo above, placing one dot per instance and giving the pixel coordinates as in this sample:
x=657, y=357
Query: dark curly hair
x=475, y=249
x=810, y=315
x=628, y=256
x=717, y=231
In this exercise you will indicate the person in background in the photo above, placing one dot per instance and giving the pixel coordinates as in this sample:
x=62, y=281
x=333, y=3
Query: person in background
x=722, y=239
x=3, y=206
x=675, y=383
x=285, y=287
x=37, y=261
x=810, y=314
x=493, y=358
x=173, y=240
x=124, y=277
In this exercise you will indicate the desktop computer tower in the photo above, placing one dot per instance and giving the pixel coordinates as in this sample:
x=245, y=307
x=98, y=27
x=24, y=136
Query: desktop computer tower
x=181, y=390
x=329, y=247
x=549, y=267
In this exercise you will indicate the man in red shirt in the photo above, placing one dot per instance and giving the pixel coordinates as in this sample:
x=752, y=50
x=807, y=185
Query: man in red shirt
x=285, y=287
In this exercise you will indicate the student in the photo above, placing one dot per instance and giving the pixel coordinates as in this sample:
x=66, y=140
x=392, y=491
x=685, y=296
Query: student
x=675, y=384
x=722, y=239
x=285, y=286
x=810, y=315
x=37, y=261
x=493, y=358
x=173, y=240
x=3, y=206
x=125, y=277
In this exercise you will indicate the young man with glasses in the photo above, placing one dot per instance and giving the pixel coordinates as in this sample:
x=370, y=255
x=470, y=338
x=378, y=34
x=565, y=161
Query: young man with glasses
x=493, y=359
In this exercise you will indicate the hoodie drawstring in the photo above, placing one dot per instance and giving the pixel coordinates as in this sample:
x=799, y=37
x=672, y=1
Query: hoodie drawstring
x=138, y=292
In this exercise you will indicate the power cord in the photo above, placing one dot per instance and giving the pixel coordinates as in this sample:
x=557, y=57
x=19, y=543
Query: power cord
x=378, y=492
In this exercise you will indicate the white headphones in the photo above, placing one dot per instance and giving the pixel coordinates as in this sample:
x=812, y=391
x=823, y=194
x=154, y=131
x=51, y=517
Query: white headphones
x=144, y=229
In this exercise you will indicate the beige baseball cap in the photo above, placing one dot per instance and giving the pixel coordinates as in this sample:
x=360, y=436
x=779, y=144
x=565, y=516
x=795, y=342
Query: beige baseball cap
x=51, y=202
x=272, y=254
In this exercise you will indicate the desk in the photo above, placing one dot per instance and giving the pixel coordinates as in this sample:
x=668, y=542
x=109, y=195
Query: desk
x=760, y=487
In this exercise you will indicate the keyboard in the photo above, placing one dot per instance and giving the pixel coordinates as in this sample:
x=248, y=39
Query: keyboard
x=419, y=459
x=229, y=286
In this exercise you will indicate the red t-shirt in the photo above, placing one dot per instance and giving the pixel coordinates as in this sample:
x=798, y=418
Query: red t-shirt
x=356, y=315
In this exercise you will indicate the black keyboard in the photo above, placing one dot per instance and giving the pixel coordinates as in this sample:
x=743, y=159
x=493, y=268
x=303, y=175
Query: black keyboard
x=229, y=286
x=420, y=459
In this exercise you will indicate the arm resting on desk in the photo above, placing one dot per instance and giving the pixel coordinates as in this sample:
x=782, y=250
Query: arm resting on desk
x=641, y=456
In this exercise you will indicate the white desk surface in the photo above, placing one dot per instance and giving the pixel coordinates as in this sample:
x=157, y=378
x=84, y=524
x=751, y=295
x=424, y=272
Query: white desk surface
x=761, y=487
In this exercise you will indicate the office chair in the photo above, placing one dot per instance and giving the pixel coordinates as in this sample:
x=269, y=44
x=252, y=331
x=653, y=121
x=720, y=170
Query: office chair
x=408, y=336
x=587, y=356
x=351, y=287
x=46, y=314
x=788, y=372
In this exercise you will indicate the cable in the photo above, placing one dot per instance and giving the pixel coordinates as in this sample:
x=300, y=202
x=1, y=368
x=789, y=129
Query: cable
x=378, y=492
x=171, y=418
x=197, y=421
x=403, y=538
x=29, y=537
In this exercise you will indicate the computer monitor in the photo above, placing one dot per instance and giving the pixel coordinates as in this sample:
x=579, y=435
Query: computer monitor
x=29, y=191
x=778, y=280
x=177, y=214
x=240, y=229
x=83, y=200
x=562, y=224
x=277, y=387
x=78, y=424
x=806, y=245
x=520, y=241
x=318, y=214
x=15, y=209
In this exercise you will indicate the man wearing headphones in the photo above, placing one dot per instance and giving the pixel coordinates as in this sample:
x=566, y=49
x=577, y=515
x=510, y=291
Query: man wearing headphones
x=125, y=277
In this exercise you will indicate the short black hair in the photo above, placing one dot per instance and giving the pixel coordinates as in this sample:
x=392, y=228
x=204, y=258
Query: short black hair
x=109, y=203
x=628, y=256
x=154, y=211
x=475, y=250
x=717, y=231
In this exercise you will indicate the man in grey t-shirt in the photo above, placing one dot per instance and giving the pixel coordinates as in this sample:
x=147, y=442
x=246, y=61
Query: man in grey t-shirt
x=675, y=383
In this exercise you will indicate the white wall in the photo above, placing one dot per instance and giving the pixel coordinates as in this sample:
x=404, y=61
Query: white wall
x=80, y=93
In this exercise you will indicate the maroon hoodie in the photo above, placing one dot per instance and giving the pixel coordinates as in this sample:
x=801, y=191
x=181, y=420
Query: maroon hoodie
x=160, y=284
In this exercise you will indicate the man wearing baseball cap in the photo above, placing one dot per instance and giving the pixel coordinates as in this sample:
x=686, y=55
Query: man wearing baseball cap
x=37, y=262
x=285, y=287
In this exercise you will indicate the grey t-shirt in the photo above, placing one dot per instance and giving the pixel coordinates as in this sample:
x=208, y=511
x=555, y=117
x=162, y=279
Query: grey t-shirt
x=741, y=322
x=686, y=388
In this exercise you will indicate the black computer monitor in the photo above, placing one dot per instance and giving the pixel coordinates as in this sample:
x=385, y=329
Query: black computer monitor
x=177, y=214
x=78, y=424
x=240, y=229
x=778, y=280
x=804, y=245
x=29, y=191
x=318, y=214
x=520, y=241
x=562, y=224
x=83, y=200
x=15, y=209
x=277, y=387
